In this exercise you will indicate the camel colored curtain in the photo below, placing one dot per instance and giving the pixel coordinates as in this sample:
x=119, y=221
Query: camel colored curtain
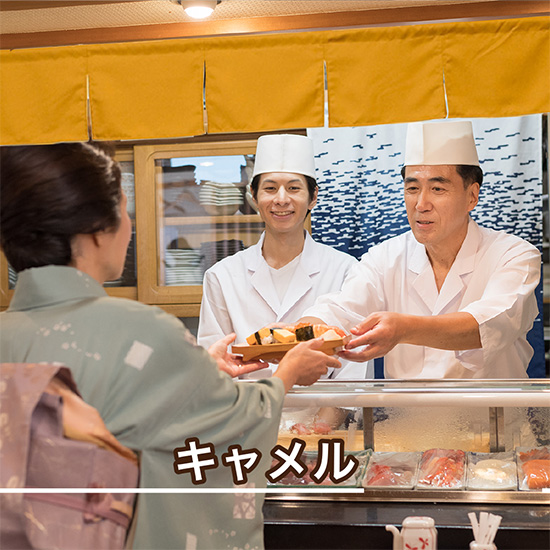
x=43, y=96
x=498, y=68
x=146, y=90
x=385, y=75
x=399, y=74
x=157, y=89
x=263, y=83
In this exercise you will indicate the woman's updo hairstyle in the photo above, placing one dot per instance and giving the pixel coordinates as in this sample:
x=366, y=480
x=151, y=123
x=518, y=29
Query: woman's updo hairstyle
x=49, y=194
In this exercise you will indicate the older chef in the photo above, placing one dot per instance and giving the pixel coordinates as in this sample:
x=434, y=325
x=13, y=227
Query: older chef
x=447, y=299
x=275, y=280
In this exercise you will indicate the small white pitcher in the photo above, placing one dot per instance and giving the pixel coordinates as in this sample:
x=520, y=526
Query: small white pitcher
x=417, y=533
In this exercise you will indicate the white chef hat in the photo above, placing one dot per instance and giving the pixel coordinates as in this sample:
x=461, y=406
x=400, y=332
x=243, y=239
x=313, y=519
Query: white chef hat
x=434, y=143
x=284, y=153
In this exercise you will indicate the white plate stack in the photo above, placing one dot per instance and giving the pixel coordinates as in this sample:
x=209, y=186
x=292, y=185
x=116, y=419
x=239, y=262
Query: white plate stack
x=183, y=267
x=220, y=199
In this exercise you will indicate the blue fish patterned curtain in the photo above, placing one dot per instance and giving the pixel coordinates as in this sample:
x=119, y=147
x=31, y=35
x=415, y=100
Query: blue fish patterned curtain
x=361, y=191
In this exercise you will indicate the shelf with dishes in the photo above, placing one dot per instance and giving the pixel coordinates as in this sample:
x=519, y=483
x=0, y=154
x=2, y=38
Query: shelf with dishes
x=194, y=209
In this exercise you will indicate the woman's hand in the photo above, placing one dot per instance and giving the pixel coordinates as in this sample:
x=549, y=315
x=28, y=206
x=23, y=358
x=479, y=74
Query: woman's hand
x=229, y=362
x=305, y=364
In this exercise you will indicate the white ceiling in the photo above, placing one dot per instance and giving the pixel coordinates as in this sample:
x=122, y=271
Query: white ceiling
x=43, y=16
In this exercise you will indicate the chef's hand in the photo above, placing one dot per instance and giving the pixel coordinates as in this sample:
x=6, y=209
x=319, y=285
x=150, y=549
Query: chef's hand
x=379, y=333
x=304, y=364
x=229, y=362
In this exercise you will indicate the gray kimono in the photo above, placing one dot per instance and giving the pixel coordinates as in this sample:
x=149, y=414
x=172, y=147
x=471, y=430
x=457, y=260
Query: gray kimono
x=154, y=388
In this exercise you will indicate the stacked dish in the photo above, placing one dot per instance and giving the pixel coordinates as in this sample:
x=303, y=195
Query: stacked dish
x=183, y=267
x=182, y=201
x=220, y=199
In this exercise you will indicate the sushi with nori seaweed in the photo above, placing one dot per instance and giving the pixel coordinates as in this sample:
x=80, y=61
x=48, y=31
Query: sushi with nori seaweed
x=304, y=333
x=262, y=336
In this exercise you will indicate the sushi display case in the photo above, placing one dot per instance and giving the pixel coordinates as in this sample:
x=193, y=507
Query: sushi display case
x=482, y=441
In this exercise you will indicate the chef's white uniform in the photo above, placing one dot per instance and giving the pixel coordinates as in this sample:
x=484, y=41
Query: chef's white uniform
x=239, y=295
x=493, y=277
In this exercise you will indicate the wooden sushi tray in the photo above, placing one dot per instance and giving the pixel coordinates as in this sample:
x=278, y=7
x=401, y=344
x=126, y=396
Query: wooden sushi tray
x=275, y=352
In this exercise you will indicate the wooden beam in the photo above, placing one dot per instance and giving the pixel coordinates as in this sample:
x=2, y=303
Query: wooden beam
x=365, y=18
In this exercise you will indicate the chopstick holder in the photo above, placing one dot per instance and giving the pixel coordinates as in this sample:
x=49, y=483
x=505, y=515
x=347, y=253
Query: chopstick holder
x=484, y=530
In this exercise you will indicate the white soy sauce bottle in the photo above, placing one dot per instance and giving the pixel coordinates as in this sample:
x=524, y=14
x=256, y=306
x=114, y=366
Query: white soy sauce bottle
x=417, y=532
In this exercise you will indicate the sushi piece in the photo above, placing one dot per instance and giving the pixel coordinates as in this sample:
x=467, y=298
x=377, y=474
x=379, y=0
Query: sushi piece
x=304, y=332
x=322, y=428
x=251, y=340
x=262, y=336
x=283, y=336
x=300, y=429
x=321, y=330
x=330, y=334
x=266, y=336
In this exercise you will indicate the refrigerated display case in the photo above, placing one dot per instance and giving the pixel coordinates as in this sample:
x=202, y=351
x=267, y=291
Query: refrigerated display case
x=503, y=421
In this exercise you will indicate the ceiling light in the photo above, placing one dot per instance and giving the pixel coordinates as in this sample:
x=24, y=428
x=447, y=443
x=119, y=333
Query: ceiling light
x=199, y=9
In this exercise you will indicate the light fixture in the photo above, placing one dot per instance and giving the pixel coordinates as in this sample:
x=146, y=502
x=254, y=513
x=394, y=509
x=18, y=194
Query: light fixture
x=199, y=9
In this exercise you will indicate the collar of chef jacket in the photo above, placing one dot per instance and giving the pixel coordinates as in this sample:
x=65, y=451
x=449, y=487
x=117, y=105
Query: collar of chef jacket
x=464, y=263
x=301, y=283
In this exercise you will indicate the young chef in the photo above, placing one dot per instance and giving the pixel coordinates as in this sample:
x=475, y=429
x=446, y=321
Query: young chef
x=447, y=299
x=275, y=280
x=65, y=230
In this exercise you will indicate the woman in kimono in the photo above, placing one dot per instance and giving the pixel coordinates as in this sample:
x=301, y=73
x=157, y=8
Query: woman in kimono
x=275, y=280
x=65, y=230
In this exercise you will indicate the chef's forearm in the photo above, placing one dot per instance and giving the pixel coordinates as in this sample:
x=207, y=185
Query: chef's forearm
x=451, y=331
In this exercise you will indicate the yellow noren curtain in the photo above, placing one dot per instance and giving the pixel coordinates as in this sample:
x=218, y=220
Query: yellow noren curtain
x=43, y=96
x=384, y=75
x=146, y=90
x=498, y=68
x=264, y=83
x=154, y=90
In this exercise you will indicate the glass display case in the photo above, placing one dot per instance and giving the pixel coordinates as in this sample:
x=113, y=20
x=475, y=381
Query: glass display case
x=405, y=424
x=397, y=423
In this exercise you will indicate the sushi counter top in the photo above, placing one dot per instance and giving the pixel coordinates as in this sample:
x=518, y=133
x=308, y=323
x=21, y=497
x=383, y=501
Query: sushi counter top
x=343, y=525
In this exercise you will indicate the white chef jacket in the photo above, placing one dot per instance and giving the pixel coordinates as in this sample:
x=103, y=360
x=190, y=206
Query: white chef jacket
x=493, y=277
x=239, y=295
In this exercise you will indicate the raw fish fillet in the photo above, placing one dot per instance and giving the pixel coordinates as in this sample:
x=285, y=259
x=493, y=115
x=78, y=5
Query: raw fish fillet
x=537, y=473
